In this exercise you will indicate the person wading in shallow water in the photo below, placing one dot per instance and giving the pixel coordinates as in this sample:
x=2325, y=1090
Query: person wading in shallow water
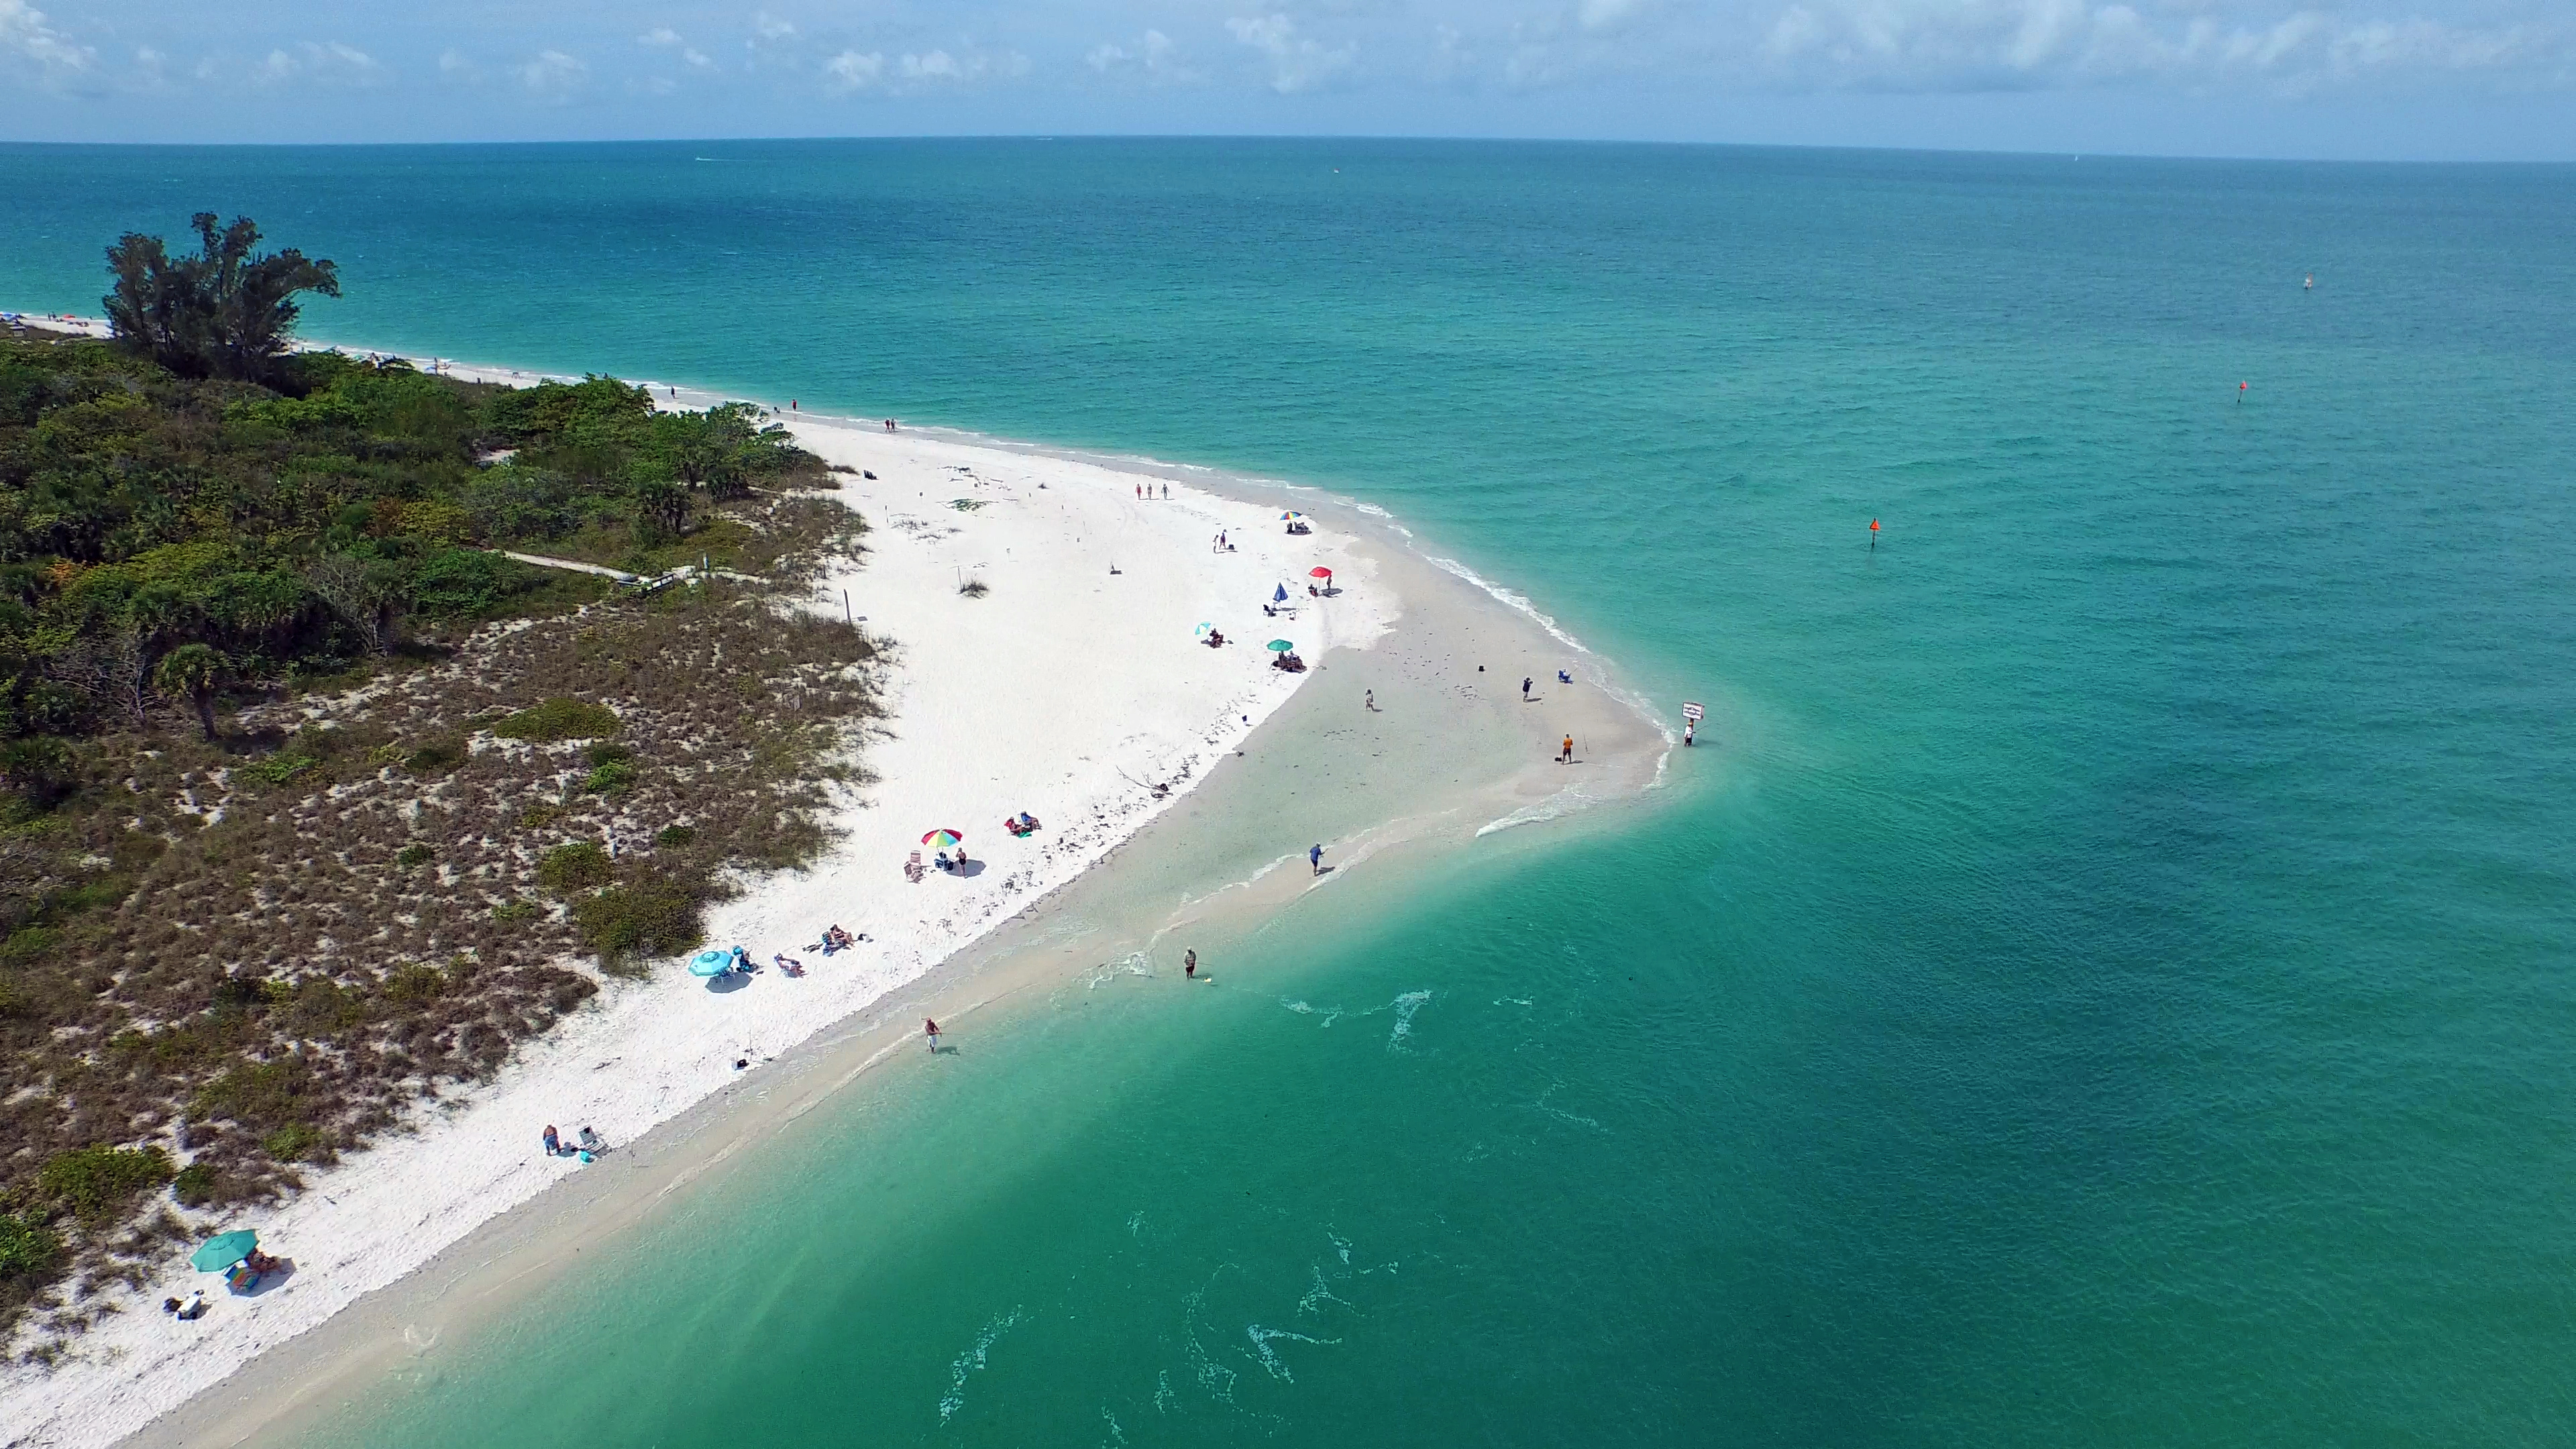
x=1190, y=964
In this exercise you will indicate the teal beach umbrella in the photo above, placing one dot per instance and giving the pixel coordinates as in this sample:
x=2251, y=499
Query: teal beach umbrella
x=1280, y=646
x=216, y=1254
x=711, y=963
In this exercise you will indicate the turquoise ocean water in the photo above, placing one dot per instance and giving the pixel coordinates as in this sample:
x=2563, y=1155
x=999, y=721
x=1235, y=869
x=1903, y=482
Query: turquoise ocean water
x=2110, y=983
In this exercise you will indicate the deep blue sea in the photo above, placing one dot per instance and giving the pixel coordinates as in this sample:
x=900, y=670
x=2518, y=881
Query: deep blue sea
x=2113, y=981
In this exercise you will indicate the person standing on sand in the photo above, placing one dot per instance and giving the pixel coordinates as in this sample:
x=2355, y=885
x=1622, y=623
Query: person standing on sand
x=930, y=1029
x=1190, y=964
x=1315, y=858
x=1567, y=758
x=1525, y=684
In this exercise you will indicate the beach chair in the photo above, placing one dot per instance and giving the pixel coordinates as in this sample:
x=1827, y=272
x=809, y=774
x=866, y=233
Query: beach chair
x=912, y=869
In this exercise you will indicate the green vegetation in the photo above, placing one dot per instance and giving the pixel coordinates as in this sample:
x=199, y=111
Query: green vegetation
x=559, y=719
x=25, y=1247
x=99, y=1183
x=577, y=866
x=261, y=671
x=225, y=312
x=195, y=1185
x=651, y=916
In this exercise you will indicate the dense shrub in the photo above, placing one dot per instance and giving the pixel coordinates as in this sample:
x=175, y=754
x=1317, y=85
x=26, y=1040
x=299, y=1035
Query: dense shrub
x=577, y=866
x=300, y=1142
x=650, y=916
x=195, y=1184
x=415, y=983
x=559, y=719
x=436, y=756
x=259, y=1095
x=99, y=1183
x=27, y=1249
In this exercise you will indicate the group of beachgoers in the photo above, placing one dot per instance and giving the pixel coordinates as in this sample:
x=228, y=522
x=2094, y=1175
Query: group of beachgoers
x=587, y=1146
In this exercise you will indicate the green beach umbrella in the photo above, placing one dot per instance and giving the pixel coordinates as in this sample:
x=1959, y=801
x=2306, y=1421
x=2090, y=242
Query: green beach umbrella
x=1280, y=646
x=216, y=1254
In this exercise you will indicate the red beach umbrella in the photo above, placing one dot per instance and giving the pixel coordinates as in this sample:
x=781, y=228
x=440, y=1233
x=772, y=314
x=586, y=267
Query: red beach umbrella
x=1319, y=572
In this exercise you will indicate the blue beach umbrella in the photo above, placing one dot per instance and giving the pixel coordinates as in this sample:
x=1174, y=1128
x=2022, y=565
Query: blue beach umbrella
x=711, y=963
x=1281, y=596
x=216, y=1254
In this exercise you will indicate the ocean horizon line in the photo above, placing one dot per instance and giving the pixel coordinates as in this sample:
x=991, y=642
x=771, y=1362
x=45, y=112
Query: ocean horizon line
x=1462, y=142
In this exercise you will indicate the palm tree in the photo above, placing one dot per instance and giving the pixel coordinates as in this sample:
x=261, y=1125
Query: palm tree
x=192, y=672
x=663, y=506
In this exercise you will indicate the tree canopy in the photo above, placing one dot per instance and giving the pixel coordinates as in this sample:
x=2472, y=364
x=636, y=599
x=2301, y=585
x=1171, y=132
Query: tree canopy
x=291, y=527
x=226, y=312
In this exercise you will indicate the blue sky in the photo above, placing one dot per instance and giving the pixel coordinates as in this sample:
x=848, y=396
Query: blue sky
x=2393, y=79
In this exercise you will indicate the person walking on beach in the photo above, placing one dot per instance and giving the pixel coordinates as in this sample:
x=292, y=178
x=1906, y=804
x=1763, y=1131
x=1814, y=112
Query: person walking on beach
x=1370, y=700
x=1190, y=964
x=930, y=1029
x=1525, y=684
x=1315, y=858
x=1567, y=756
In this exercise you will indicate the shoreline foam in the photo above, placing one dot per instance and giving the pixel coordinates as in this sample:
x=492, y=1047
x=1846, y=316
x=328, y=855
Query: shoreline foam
x=360, y=1230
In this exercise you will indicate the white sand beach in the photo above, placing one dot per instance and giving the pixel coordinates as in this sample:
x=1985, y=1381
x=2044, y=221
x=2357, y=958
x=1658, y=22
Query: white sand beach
x=1075, y=689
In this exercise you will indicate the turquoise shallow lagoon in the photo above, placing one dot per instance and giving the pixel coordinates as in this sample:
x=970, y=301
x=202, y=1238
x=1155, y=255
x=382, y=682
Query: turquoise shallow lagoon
x=2109, y=982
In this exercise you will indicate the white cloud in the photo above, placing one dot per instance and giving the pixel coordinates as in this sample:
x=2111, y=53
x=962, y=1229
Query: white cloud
x=553, y=77
x=663, y=37
x=917, y=71
x=30, y=42
x=454, y=67
x=1992, y=45
x=851, y=71
x=939, y=67
x=323, y=63
x=1156, y=57
x=1606, y=14
x=1297, y=62
x=770, y=27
